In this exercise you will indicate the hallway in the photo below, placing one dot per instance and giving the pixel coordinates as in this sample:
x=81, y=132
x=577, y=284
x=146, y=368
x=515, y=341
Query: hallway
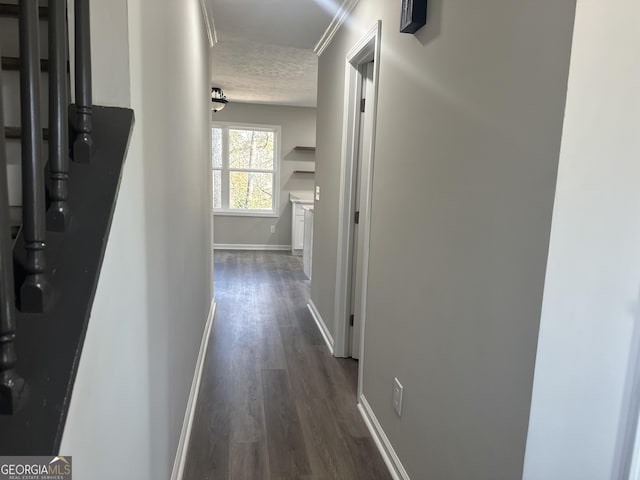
x=273, y=403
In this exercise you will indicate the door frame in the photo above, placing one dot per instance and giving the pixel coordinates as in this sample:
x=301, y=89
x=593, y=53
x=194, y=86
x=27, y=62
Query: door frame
x=367, y=49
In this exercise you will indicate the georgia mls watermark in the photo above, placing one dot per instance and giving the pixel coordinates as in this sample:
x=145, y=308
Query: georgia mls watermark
x=35, y=468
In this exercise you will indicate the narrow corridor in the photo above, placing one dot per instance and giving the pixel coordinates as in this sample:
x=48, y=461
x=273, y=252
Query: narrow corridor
x=274, y=404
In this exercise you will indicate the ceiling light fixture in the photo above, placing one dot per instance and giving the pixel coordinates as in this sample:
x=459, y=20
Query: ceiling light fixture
x=218, y=100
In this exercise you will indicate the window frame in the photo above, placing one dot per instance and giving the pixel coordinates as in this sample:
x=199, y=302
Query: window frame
x=225, y=170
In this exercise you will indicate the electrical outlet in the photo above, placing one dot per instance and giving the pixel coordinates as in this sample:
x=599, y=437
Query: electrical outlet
x=317, y=192
x=273, y=229
x=397, y=396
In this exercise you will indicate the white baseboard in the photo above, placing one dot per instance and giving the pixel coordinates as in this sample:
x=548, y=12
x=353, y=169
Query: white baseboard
x=185, y=434
x=382, y=441
x=249, y=246
x=326, y=334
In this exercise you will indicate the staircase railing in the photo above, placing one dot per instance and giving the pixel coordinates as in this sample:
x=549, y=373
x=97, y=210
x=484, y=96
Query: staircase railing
x=58, y=215
x=34, y=291
x=83, y=144
x=11, y=384
x=39, y=189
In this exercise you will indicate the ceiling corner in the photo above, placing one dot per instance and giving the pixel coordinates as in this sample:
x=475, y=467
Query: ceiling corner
x=209, y=23
x=337, y=21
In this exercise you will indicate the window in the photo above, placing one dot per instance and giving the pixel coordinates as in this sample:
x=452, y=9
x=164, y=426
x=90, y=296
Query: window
x=245, y=161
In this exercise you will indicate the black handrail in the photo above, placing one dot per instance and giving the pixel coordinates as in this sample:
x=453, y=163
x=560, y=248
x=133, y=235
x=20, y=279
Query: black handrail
x=58, y=215
x=83, y=144
x=35, y=291
x=12, y=386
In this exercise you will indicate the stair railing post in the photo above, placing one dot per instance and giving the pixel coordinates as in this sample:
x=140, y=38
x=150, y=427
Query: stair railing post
x=12, y=386
x=83, y=144
x=58, y=215
x=34, y=292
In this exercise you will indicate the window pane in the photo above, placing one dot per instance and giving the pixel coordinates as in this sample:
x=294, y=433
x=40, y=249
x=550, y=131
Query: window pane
x=251, y=191
x=217, y=189
x=216, y=147
x=250, y=149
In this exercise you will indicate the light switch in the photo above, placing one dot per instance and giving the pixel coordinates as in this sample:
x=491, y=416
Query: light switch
x=317, y=192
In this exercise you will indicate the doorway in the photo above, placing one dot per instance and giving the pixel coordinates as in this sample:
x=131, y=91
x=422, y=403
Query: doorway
x=361, y=166
x=361, y=83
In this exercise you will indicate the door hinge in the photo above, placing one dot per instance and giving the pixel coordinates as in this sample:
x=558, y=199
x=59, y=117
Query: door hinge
x=356, y=218
x=362, y=104
x=351, y=320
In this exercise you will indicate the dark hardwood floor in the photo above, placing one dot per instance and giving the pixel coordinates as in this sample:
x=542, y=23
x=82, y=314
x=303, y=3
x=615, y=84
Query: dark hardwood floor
x=274, y=404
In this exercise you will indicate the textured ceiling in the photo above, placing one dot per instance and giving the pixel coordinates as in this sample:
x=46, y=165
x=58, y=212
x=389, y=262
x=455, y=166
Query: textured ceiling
x=265, y=53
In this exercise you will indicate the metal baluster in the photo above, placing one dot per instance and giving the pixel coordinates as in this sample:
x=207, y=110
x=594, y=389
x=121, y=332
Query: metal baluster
x=12, y=386
x=83, y=144
x=58, y=214
x=34, y=292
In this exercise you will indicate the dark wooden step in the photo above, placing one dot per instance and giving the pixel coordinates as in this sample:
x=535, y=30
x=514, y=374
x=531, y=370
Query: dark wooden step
x=10, y=10
x=15, y=133
x=13, y=63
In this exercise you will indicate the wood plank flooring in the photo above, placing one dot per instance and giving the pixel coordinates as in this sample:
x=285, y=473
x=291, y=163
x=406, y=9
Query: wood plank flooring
x=274, y=404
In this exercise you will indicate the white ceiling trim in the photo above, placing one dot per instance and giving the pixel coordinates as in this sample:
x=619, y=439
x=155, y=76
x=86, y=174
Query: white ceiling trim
x=209, y=24
x=339, y=18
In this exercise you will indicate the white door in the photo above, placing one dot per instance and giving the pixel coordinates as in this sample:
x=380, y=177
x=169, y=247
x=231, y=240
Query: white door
x=361, y=173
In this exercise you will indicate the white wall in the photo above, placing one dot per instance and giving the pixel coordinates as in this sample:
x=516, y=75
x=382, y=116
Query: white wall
x=155, y=287
x=298, y=128
x=110, y=61
x=110, y=52
x=585, y=396
x=468, y=139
